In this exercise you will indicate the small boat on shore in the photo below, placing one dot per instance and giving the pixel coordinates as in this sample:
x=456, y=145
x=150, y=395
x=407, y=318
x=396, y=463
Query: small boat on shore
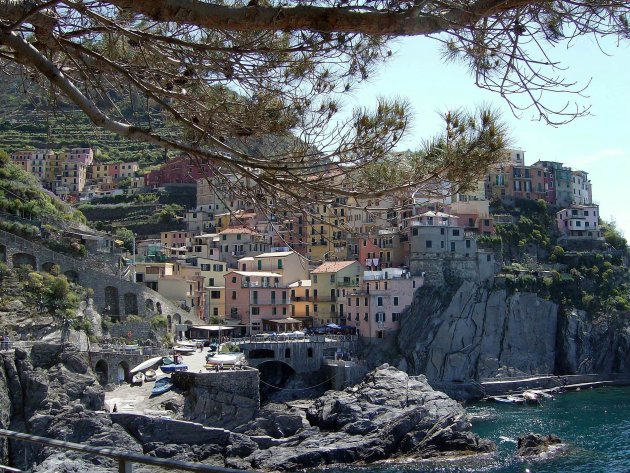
x=184, y=350
x=167, y=361
x=174, y=367
x=186, y=343
x=146, y=364
x=137, y=379
x=226, y=359
x=149, y=375
x=161, y=386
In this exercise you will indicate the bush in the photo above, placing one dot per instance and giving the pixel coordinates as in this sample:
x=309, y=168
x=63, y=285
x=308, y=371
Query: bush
x=158, y=322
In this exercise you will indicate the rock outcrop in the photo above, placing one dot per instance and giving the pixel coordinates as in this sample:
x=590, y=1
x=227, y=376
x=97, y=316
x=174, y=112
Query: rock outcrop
x=478, y=333
x=535, y=444
x=473, y=332
x=53, y=393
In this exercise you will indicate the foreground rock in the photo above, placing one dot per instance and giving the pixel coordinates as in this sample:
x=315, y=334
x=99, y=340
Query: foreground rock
x=388, y=415
x=53, y=393
x=535, y=444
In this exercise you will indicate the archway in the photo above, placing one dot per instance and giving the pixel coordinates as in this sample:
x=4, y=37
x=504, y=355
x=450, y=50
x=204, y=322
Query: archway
x=24, y=259
x=111, y=301
x=261, y=353
x=3, y=253
x=158, y=307
x=177, y=318
x=131, y=304
x=188, y=322
x=123, y=372
x=72, y=275
x=169, y=321
x=102, y=372
x=275, y=375
x=149, y=305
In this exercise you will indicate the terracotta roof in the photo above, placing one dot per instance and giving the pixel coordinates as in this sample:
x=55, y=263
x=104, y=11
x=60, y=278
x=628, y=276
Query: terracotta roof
x=332, y=266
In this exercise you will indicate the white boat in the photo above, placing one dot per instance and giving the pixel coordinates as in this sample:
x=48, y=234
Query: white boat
x=146, y=364
x=150, y=375
x=184, y=350
x=138, y=378
x=226, y=359
x=186, y=343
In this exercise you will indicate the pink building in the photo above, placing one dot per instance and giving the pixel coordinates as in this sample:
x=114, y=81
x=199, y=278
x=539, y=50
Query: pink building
x=259, y=301
x=376, y=308
x=79, y=155
x=579, y=222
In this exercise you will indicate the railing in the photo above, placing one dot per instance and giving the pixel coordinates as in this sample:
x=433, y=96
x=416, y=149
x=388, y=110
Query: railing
x=125, y=459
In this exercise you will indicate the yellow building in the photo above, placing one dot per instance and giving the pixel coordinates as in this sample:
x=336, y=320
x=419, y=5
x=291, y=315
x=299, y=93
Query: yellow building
x=330, y=283
x=326, y=231
x=302, y=302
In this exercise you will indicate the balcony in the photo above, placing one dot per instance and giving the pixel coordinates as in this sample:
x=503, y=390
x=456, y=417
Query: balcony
x=263, y=284
x=238, y=253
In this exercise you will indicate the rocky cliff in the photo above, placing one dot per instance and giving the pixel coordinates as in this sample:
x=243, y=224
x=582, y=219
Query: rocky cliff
x=473, y=332
x=53, y=393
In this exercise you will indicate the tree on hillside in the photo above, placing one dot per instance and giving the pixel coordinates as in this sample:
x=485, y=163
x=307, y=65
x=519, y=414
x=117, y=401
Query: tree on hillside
x=230, y=72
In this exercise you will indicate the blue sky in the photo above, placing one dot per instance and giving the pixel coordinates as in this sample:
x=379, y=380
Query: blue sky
x=598, y=144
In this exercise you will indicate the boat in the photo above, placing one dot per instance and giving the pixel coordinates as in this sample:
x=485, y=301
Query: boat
x=184, y=350
x=509, y=399
x=161, y=386
x=131, y=347
x=174, y=367
x=226, y=359
x=186, y=343
x=146, y=364
x=138, y=379
x=167, y=361
x=149, y=375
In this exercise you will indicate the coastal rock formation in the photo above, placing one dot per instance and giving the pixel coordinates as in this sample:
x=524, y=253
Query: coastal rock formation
x=535, y=444
x=472, y=332
x=475, y=333
x=53, y=393
x=388, y=415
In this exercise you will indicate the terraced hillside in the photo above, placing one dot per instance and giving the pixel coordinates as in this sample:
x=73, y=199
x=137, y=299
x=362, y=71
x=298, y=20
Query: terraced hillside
x=29, y=121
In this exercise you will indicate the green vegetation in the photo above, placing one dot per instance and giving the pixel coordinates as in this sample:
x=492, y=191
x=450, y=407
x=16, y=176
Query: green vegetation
x=596, y=281
x=21, y=196
x=126, y=236
x=54, y=294
x=29, y=121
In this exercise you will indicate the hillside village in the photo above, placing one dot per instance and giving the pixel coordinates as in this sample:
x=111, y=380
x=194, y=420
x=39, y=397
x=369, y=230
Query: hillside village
x=347, y=264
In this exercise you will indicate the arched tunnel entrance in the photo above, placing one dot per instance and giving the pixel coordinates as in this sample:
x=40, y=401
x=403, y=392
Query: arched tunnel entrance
x=275, y=380
x=102, y=372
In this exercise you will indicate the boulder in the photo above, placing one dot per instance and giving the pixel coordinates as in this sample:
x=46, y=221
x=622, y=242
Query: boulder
x=535, y=444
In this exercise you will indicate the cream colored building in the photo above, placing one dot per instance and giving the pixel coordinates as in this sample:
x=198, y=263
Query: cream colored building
x=331, y=283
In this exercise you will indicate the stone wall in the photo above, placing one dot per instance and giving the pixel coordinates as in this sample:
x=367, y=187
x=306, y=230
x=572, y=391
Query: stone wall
x=138, y=330
x=226, y=398
x=113, y=296
x=441, y=268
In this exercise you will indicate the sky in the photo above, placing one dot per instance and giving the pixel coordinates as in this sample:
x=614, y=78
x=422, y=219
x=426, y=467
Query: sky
x=598, y=144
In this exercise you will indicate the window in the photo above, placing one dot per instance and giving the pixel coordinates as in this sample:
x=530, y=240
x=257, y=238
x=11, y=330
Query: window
x=315, y=278
x=332, y=278
x=215, y=294
x=205, y=267
x=379, y=301
x=279, y=264
x=234, y=279
x=467, y=243
x=315, y=308
x=215, y=311
x=415, y=232
x=287, y=353
x=259, y=265
x=233, y=294
x=441, y=231
x=356, y=302
x=217, y=267
x=429, y=243
x=395, y=316
x=238, y=236
x=455, y=232
x=452, y=246
x=395, y=300
x=309, y=352
x=255, y=310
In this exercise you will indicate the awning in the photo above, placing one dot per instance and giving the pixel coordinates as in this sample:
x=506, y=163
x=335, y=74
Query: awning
x=288, y=320
x=212, y=328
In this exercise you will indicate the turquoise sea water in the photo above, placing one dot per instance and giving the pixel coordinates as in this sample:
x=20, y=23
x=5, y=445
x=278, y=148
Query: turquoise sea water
x=595, y=424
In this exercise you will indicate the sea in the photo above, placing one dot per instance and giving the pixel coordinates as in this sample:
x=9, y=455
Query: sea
x=593, y=423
